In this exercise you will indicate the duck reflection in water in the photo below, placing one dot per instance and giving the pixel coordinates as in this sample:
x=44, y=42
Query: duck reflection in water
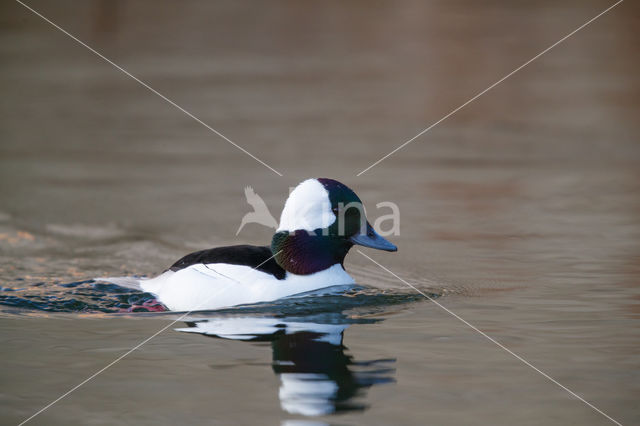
x=317, y=376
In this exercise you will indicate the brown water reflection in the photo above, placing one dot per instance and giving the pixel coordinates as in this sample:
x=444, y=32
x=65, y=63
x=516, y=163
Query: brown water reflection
x=528, y=199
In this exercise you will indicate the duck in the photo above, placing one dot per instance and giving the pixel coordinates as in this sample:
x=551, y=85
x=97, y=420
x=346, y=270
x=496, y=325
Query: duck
x=321, y=221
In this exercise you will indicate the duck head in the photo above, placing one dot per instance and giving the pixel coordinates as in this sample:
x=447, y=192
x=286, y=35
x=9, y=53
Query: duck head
x=321, y=220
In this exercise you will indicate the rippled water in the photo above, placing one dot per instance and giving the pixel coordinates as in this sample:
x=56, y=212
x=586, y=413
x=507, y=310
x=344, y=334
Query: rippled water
x=520, y=212
x=95, y=296
x=78, y=296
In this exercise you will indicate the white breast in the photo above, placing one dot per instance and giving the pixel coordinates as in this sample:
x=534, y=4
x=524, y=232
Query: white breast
x=219, y=285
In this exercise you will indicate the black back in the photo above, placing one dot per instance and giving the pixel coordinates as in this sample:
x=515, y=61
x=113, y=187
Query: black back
x=247, y=255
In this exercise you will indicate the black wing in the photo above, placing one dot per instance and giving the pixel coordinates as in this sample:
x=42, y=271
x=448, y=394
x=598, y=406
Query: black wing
x=251, y=256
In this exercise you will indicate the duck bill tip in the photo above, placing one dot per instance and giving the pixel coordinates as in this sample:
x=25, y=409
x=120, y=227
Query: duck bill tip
x=373, y=240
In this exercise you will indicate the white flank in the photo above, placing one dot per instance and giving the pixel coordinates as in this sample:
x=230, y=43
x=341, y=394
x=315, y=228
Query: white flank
x=206, y=287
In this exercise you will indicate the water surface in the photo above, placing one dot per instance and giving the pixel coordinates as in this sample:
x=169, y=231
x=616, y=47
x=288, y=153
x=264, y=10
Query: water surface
x=521, y=212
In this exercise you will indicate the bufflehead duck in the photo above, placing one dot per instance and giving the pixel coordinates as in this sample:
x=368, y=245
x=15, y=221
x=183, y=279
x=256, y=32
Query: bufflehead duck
x=321, y=220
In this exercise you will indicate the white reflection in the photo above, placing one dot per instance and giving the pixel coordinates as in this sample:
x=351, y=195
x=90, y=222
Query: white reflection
x=316, y=376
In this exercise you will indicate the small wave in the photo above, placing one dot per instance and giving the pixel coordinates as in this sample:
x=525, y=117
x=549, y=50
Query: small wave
x=77, y=296
x=358, y=299
x=94, y=296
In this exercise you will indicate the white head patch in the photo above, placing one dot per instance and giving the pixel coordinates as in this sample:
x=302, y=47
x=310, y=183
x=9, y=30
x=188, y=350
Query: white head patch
x=307, y=208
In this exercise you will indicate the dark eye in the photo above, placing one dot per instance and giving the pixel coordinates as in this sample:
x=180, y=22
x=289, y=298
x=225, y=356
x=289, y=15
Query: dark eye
x=335, y=210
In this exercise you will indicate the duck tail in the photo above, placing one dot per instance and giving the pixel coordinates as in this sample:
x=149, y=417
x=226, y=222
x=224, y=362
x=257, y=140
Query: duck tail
x=126, y=282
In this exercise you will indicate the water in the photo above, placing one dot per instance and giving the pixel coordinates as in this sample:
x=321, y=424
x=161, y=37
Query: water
x=520, y=212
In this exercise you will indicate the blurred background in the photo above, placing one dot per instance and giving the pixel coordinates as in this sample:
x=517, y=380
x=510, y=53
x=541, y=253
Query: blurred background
x=523, y=208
